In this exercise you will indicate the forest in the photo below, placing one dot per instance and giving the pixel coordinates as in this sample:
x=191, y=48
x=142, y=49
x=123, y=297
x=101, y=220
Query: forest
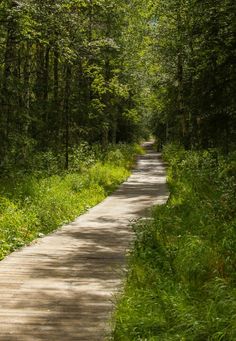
x=104, y=72
x=82, y=82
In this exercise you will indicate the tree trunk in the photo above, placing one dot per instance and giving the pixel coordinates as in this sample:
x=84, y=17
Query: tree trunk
x=7, y=82
x=180, y=78
x=67, y=113
x=55, y=77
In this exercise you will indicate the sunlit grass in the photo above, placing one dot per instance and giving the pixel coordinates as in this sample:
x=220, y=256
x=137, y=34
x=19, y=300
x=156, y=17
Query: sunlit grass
x=33, y=205
x=182, y=275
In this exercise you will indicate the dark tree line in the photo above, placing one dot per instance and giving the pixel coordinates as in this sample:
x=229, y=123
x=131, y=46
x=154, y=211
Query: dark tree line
x=100, y=70
x=194, y=46
x=62, y=76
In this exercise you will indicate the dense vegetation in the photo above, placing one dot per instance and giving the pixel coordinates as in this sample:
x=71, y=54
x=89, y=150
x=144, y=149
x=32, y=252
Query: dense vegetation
x=78, y=77
x=193, y=72
x=182, y=270
x=34, y=204
x=100, y=71
x=64, y=77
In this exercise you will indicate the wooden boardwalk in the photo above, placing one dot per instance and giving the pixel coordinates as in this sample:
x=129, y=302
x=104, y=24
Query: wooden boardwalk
x=61, y=288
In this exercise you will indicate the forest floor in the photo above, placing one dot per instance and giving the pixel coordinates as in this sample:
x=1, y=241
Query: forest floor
x=62, y=286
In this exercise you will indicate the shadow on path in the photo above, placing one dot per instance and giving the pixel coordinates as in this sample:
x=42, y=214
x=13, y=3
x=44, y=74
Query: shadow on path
x=61, y=287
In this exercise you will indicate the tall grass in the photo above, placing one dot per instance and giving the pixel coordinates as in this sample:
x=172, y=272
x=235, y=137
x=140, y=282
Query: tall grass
x=181, y=283
x=37, y=200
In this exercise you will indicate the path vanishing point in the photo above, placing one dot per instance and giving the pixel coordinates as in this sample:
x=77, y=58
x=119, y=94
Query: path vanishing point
x=61, y=288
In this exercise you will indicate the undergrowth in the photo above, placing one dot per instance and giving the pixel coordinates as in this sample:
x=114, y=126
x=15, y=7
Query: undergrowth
x=181, y=282
x=38, y=199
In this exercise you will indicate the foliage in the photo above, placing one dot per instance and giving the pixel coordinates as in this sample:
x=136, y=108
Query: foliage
x=166, y=65
x=181, y=279
x=34, y=204
x=189, y=81
x=63, y=78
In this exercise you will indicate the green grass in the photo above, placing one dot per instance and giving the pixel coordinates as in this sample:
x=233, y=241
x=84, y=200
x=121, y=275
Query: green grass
x=181, y=283
x=37, y=202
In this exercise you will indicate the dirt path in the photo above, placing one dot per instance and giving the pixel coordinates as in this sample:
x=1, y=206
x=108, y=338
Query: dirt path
x=61, y=287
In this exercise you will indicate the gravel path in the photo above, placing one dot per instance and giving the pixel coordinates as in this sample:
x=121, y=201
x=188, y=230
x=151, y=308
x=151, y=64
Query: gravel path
x=62, y=286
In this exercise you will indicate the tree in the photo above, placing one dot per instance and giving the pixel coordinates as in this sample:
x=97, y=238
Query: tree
x=194, y=44
x=63, y=76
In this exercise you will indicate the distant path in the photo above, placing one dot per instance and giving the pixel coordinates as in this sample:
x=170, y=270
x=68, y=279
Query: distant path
x=61, y=287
